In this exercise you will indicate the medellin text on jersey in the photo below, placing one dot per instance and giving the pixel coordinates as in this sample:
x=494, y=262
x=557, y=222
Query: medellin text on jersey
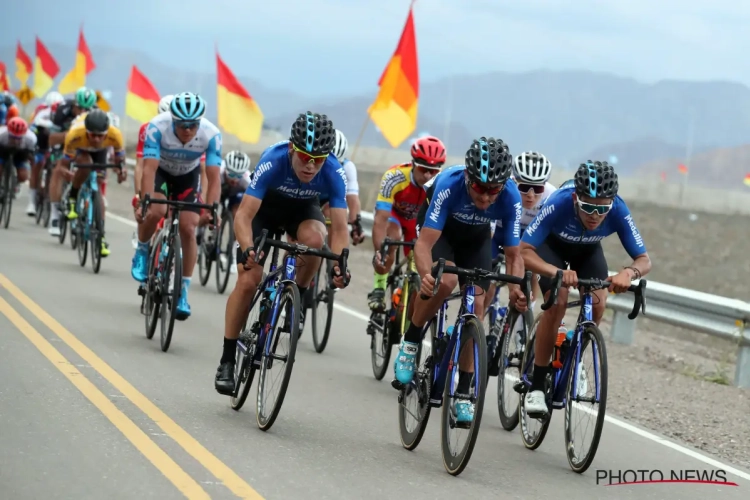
x=177, y=158
x=274, y=172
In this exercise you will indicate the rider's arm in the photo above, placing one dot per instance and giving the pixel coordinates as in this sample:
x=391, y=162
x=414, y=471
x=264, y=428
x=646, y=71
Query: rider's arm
x=631, y=240
x=510, y=201
x=436, y=216
x=423, y=249
x=388, y=186
x=352, y=201
x=352, y=190
x=337, y=204
x=151, y=155
x=204, y=178
x=138, y=171
x=212, y=169
x=243, y=221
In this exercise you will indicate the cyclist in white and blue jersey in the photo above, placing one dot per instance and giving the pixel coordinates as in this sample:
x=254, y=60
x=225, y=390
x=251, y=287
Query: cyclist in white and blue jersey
x=352, y=189
x=284, y=193
x=567, y=232
x=174, y=143
x=454, y=224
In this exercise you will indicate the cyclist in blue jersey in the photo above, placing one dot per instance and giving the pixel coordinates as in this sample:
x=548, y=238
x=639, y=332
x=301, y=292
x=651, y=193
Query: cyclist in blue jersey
x=454, y=224
x=568, y=232
x=172, y=150
x=284, y=192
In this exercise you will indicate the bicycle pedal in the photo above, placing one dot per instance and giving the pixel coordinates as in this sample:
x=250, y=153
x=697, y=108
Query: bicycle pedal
x=520, y=387
x=397, y=385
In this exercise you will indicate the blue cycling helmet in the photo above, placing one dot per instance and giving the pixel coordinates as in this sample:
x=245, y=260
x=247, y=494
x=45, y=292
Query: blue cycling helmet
x=596, y=179
x=187, y=107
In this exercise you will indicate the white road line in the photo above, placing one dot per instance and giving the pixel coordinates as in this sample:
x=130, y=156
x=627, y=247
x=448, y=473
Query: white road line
x=612, y=420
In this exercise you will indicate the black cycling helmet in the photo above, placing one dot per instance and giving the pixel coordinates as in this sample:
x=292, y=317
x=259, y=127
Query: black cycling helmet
x=488, y=161
x=96, y=121
x=313, y=133
x=596, y=179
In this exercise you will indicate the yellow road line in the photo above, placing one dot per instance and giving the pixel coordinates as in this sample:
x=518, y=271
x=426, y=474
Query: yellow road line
x=182, y=481
x=221, y=471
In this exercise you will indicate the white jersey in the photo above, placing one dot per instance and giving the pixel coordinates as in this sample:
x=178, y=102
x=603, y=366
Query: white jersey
x=528, y=214
x=350, y=170
x=176, y=158
x=43, y=118
x=28, y=141
x=236, y=188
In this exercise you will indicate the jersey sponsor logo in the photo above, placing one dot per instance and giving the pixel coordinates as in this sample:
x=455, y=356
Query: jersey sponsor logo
x=469, y=301
x=472, y=218
x=142, y=137
x=439, y=199
x=298, y=193
x=634, y=230
x=151, y=133
x=342, y=173
x=390, y=181
x=260, y=170
x=548, y=209
x=580, y=239
x=517, y=221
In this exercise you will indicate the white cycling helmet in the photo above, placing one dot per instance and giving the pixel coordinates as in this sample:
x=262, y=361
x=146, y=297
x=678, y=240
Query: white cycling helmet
x=164, y=103
x=339, y=149
x=114, y=120
x=531, y=167
x=53, y=98
x=237, y=163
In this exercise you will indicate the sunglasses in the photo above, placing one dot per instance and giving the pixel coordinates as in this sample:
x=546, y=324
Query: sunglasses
x=525, y=188
x=485, y=189
x=308, y=158
x=187, y=125
x=424, y=169
x=592, y=208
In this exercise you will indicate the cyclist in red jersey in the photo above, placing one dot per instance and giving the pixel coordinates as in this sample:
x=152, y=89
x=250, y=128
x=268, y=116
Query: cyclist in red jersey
x=401, y=194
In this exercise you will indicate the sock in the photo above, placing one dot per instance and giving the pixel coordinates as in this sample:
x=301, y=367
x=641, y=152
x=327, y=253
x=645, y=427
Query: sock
x=464, y=382
x=413, y=334
x=302, y=290
x=54, y=211
x=381, y=280
x=73, y=193
x=540, y=376
x=32, y=195
x=186, y=283
x=230, y=350
x=142, y=246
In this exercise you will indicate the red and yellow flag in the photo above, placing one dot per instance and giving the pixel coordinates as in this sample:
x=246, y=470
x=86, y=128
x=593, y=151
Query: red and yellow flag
x=4, y=80
x=84, y=65
x=682, y=169
x=238, y=113
x=45, y=69
x=23, y=65
x=142, y=99
x=395, y=108
x=747, y=180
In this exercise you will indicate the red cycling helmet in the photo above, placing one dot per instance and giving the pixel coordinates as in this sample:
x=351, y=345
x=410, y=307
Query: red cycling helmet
x=428, y=151
x=17, y=126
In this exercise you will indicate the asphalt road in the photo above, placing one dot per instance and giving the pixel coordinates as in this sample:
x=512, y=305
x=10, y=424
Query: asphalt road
x=89, y=408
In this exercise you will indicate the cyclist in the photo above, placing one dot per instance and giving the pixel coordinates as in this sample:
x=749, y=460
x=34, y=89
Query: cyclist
x=283, y=193
x=49, y=100
x=352, y=190
x=401, y=195
x=174, y=144
x=62, y=119
x=41, y=121
x=8, y=108
x=568, y=230
x=85, y=144
x=17, y=144
x=455, y=225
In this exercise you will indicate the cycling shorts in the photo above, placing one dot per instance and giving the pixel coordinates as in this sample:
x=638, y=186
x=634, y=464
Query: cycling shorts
x=184, y=187
x=281, y=212
x=19, y=159
x=468, y=246
x=587, y=260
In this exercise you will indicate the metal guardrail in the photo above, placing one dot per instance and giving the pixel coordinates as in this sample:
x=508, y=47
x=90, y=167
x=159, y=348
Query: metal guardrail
x=717, y=316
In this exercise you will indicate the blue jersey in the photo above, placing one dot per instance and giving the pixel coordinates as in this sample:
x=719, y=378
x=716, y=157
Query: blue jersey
x=274, y=172
x=558, y=218
x=3, y=113
x=450, y=199
x=176, y=158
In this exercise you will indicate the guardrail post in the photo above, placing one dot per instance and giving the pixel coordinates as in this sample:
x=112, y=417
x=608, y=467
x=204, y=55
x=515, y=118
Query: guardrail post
x=623, y=329
x=742, y=371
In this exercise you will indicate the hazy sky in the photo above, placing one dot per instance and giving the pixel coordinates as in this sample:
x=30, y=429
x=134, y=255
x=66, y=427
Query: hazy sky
x=338, y=47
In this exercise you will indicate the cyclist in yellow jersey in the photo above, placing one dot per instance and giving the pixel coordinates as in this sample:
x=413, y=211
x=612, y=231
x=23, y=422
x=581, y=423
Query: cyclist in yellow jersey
x=87, y=143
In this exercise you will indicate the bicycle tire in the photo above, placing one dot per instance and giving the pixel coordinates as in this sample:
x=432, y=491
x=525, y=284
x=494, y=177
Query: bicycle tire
x=80, y=228
x=508, y=419
x=8, y=191
x=473, y=329
x=530, y=442
x=244, y=368
x=170, y=300
x=290, y=289
x=327, y=296
x=581, y=467
x=40, y=206
x=204, y=262
x=222, y=276
x=152, y=298
x=97, y=232
x=423, y=384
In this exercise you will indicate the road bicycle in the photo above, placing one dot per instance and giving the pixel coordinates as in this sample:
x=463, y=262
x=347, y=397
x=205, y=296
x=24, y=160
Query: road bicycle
x=42, y=202
x=163, y=287
x=274, y=313
x=436, y=378
x=570, y=384
x=7, y=189
x=212, y=251
x=386, y=328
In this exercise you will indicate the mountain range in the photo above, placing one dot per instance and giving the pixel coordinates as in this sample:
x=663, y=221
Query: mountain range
x=571, y=116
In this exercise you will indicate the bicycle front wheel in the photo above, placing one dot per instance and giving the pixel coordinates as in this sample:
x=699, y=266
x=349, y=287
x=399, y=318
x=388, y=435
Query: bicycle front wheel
x=152, y=297
x=9, y=187
x=323, y=294
x=456, y=456
x=586, y=389
x=277, y=359
x=82, y=228
x=97, y=233
x=224, y=267
x=204, y=261
x=171, y=278
x=414, y=400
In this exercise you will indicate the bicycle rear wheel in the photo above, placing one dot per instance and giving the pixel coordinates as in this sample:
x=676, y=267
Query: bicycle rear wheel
x=204, y=261
x=244, y=368
x=82, y=228
x=323, y=293
x=97, y=232
x=152, y=299
x=223, y=270
x=455, y=459
x=582, y=378
x=510, y=353
x=533, y=430
x=414, y=400
x=289, y=303
x=9, y=187
x=170, y=298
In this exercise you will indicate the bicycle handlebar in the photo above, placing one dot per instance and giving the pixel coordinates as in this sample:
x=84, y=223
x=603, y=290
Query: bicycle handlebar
x=556, y=284
x=639, y=290
x=179, y=205
x=477, y=274
x=393, y=243
x=97, y=165
x=300, y=249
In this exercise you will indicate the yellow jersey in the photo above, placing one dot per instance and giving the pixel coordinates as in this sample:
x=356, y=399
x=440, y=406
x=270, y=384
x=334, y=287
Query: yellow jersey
x=76, y=140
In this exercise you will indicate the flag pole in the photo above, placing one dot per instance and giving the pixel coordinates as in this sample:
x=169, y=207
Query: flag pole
x=359, y=138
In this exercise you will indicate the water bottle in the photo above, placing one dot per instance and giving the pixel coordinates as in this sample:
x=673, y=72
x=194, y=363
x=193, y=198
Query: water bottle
x=562, y=335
